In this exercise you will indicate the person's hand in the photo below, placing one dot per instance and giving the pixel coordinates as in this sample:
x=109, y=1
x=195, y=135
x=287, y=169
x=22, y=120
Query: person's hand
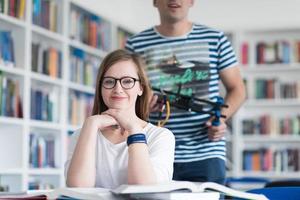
x=126, y=119
x=154, y=105
x=215, y=133
x=102, y=121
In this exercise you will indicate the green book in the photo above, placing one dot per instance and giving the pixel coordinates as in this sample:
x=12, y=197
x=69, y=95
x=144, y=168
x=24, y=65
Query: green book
x=1, y=6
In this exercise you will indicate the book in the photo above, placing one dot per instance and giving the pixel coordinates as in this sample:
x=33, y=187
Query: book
x=106, y=194
x=177, y=195
x=176, y=186
x=21, y=195
x=174, y=190
x=77, y=193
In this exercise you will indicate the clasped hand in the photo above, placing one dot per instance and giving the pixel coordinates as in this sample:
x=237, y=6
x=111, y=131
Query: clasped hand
x=127, y=120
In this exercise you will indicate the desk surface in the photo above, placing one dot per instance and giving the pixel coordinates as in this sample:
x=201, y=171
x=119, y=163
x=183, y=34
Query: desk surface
x=105, y=194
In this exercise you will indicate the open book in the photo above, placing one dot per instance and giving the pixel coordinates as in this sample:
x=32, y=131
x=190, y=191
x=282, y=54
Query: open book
x=181, y=186
x=170, y=190
x=77, y=193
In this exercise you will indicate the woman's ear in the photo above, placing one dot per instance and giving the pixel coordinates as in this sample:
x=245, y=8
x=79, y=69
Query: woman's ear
x=140, y=93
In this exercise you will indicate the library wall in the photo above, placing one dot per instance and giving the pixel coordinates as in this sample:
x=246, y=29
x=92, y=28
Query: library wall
x=230, y=15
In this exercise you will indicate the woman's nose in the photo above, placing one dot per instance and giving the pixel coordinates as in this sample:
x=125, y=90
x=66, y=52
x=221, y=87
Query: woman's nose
x=118, y=86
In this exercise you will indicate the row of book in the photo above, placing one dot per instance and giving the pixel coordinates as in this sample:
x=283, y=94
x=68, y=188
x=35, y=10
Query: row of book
x=271, y=160
x=10, y=98
x=4, y=188
x=83, y=67
x=14, y=8
x=276, y=89
x=7, y=56
x=80, y=107
x=44, y=105
x=46, y=60
x=44, y=14
x=274, y=52
x=271, y=125
x=37, y=183
x=90, y=29
x=41, y=151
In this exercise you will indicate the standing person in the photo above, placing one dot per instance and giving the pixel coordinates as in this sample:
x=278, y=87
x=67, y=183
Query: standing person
x=116, y=145
x=183, y=55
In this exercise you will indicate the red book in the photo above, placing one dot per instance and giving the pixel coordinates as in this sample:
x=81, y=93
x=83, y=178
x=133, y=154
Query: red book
x=93, y=33
x=270, y=89
x=244, y=53
x=260, y=53
x=298, y=51
x=12, y=5
x=268, y=160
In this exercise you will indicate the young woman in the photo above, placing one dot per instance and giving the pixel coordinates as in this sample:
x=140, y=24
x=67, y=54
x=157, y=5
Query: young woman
x=116, y=145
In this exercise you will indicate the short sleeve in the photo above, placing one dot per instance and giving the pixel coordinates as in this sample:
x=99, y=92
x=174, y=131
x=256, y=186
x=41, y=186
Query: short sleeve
x=129, y=46
x=226, y=55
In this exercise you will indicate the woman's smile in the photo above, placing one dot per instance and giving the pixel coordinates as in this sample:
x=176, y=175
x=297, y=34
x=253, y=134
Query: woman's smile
x=118, y=98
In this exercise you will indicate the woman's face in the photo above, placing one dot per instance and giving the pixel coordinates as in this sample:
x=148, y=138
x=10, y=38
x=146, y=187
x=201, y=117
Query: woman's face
x=114, y=95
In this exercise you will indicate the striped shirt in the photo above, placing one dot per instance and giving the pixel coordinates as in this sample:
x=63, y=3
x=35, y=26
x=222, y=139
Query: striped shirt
x=192, y=63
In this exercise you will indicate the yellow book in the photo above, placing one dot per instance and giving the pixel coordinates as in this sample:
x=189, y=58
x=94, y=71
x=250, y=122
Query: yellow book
x=21, y=11
x=53, y=62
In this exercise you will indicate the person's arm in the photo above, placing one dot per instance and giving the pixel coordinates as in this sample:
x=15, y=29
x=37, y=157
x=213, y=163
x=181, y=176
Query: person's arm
x=235, y=96
x=140, y=169
x=82, y=168
x=155, y=164
x=235, y=90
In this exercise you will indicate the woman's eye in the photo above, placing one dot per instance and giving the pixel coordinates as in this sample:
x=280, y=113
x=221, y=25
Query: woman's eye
x=109, y=82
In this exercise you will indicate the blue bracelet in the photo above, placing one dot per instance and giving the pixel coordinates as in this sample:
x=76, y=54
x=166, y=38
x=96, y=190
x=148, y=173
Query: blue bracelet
x=136, y=138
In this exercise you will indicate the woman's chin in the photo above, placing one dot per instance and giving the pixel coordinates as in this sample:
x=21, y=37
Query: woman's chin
x=118, y=107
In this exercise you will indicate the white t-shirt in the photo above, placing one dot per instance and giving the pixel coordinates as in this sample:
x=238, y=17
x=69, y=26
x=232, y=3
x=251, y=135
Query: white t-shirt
x=112, y=159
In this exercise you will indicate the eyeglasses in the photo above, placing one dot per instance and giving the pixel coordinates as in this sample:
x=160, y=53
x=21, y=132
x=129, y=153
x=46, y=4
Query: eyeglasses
x=126, y=82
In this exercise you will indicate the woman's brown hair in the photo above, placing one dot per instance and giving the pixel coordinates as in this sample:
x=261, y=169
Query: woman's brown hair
x=142, y=102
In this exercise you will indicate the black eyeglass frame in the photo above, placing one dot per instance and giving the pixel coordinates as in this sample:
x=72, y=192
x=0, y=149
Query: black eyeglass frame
x=120, y=80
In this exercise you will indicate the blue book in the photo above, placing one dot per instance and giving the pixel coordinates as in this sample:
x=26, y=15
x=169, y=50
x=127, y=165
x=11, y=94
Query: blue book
x=6, y=45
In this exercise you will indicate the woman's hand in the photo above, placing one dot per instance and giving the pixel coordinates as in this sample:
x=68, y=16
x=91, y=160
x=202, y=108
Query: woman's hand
x=101, y=121
x=126, y=119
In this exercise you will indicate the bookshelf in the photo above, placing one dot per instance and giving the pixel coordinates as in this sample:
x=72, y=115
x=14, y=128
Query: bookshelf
x=266, y=130
x=56, y=49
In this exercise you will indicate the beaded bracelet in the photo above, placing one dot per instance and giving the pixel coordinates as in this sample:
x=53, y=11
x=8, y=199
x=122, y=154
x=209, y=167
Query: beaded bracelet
x=136, y=138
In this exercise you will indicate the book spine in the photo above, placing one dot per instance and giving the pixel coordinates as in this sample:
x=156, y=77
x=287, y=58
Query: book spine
x=244, y=53
x=280, y=160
